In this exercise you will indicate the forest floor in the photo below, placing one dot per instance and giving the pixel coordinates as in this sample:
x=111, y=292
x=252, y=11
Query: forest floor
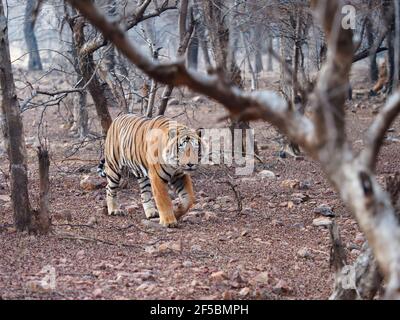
x=269, y=250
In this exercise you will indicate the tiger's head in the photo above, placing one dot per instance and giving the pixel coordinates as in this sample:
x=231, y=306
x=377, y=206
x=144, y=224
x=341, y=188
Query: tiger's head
x=182, y=150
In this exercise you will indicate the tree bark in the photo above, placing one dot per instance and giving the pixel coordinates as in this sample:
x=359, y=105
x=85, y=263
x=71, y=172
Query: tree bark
x=185, y=35
x=100, y=92
x=373, y=66
x=43, y=221
x=34, y=62
x=15, y=133
x=269, y=58
x=193, y=51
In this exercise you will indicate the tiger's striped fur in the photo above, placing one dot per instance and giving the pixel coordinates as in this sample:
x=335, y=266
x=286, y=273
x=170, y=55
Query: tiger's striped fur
x=159, y=152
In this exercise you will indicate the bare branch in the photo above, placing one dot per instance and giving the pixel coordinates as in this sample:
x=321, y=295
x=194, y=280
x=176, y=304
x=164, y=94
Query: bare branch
x=266, y=105
x=376, y=132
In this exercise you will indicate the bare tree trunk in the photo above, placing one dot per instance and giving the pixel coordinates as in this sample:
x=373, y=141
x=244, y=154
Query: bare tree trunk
x=258, y=40
x=253, y=72
x=269, y=61
x=184, y=40
x=81, y=113
x=193, y=51
x=81, y=117
x=42, y=217
x=34, y=62
x=100, y=92
x=295, y=60
x=15, y=133
x=373, y=66
x=361, y=280
x=201, y=31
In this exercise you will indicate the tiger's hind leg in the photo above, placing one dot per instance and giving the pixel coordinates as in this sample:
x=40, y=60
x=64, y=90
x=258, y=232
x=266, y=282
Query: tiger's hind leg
x=113, y=180
x=146, y=195
x=184, y=188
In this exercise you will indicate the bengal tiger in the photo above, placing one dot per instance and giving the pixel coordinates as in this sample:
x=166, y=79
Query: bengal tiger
x=160, y=153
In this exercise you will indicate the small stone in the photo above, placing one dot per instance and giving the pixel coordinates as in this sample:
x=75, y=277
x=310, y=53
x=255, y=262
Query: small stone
x=208, y=215
x=163, y=247
x=132, y=209
x=89, y=183
x=63, y=215
x=175, y=246
x=38, y=286
x=290, y=184
x=218, y=276
x=244, y=233
x=298, y=198
x=277, y=223
x=261, y=279
x=97, y=293
x=244, y=292
x=227, y=295
x=304, y=253
x=322, y=222
x=80, y=254
x=281, y=287
x=187, y=264
x=150, y=249
x=194, y=283
x=267, y=174
x=195, y=248
x=202, y=194
x=92, y=221
x=324, y=210
x=304, y=185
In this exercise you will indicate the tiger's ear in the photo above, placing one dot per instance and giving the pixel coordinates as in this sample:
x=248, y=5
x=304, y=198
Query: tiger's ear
x=172, y=132
x=200, y=132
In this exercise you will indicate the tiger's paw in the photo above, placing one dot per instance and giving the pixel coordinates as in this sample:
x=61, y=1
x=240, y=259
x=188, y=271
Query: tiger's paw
x=151, y=213
x=169, y=222
x=118, y=212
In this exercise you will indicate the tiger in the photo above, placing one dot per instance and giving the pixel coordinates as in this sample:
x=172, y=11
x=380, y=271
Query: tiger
x=161, y=153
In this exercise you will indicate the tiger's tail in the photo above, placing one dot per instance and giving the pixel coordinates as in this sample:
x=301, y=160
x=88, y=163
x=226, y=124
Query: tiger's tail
x=100, y=168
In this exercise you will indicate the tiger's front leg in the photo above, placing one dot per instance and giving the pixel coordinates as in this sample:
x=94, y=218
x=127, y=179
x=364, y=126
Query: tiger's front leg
x=147, y=198
x=162, y=199
x=184, y=188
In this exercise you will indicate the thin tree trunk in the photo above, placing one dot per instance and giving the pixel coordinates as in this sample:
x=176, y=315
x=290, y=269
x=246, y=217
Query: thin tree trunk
x=81, y=116
x=269, y=61
x=43, y=221
x=201, y=31
x=373, y=66
x=184, y=40
x=193, y=51
x=258, y=40
x=15, y=133
x=34, y=62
